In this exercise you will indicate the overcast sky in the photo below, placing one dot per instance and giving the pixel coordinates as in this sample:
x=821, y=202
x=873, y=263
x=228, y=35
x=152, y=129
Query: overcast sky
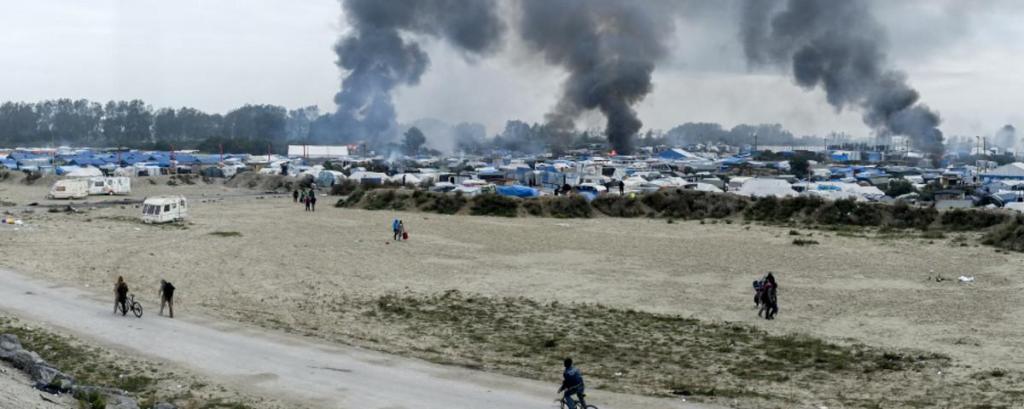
x=965, y=57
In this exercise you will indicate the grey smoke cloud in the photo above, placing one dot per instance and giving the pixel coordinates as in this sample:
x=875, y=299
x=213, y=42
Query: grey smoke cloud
x=839, y=46
x=610, y=49
x=1006, y=137
x=380, y=53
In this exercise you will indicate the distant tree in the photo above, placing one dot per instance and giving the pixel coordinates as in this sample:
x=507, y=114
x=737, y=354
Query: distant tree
x=300, y=122
x=898, y=187
x=800, y=167
x=414, y=140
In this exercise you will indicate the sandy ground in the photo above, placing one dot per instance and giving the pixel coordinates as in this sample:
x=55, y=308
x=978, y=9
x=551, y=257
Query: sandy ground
x=289, y=368
x=16, y=392
x=879, y=292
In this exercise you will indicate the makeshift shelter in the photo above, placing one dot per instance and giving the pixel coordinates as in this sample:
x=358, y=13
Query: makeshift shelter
x=329, y=178
x=763, y=187
x=212, y=172
x=1013, y=170
x=84, y=172
x=677, y=154
x=517, y=191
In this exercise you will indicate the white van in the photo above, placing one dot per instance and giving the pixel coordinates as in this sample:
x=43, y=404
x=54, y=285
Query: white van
x=117, y=185
x=164, y=209
x=69, y=189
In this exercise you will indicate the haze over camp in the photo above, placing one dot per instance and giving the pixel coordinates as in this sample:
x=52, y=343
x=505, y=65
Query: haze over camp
x=573, y=204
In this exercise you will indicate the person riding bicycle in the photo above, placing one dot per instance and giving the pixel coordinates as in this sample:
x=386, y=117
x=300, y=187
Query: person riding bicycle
x=572, y=384
x=121, y=295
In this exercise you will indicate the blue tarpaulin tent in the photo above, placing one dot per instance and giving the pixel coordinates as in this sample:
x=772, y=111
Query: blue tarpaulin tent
x=517, y=191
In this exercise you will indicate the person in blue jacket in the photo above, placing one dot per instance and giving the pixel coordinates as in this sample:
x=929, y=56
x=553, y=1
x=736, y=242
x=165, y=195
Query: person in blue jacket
x=572, y=384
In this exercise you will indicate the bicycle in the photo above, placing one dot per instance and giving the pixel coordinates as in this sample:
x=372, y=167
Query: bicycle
x=565, y=405
x=132, y=306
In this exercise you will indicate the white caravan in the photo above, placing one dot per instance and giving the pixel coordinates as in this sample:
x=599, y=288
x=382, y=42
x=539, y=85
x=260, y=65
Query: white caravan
x=117, y=185
x=69, y=189
x=164, y=209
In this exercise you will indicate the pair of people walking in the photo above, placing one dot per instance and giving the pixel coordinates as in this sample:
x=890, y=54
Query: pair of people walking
x=766, y=297
x=307, y=197
x=398, y=230
x=166, y=294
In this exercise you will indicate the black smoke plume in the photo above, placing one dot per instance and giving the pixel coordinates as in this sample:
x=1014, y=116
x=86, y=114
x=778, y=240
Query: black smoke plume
x=609, y=48
x=381, y=53
x=1006, y=137
x=839, y=46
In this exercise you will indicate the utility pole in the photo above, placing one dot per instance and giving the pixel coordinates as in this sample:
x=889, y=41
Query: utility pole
x=755, y=142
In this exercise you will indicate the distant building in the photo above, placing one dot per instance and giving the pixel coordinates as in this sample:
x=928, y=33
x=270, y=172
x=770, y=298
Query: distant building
x=1011, y=171
x=317, y=151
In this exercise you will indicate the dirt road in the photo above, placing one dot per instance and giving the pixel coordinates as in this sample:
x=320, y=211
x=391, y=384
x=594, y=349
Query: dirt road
x=287, y=368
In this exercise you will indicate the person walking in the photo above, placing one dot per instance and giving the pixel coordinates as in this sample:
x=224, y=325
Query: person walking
x=166, y=297
x=302, y=196
x=305, y=199
x=401, y=231
x=394, y=229
x=295, y=195
x=771, y=300
x=622, y=188
x=121, y=295
x=312, y=200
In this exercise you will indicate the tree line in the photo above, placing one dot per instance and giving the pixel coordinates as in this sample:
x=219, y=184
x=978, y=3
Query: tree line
x=257, y=128
x=135, y=124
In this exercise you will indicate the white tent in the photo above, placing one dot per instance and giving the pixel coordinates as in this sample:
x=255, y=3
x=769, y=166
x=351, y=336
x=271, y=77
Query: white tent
x=406, y=178
x=86, y=172
x=317, y=151
x=759, y=187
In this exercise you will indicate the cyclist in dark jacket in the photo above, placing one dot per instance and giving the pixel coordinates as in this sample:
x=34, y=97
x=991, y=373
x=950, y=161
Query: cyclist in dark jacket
x=120, y=295
x=572, y=384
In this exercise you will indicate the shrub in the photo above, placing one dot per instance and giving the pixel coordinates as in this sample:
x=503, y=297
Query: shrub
x=32, y=177
x=1009, y=235
x=490, y=204
x=382, y=199
x=567, y=207
x=960, y=220
x=690, y=204
x=353, y=199
x=803, y=242
x=835, y=213
x=897, y=187
x=618, y=206
x=446, y=204
x=346, y=187
x=903, y=216
x=534, y=207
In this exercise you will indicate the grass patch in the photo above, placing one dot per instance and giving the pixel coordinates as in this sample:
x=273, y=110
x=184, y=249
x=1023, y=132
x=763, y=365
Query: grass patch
x=804, y=242
x=98, y=367
x=226, y=234
x=640, y=352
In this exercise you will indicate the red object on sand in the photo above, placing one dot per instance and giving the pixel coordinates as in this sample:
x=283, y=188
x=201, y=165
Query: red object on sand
x=405, y=236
